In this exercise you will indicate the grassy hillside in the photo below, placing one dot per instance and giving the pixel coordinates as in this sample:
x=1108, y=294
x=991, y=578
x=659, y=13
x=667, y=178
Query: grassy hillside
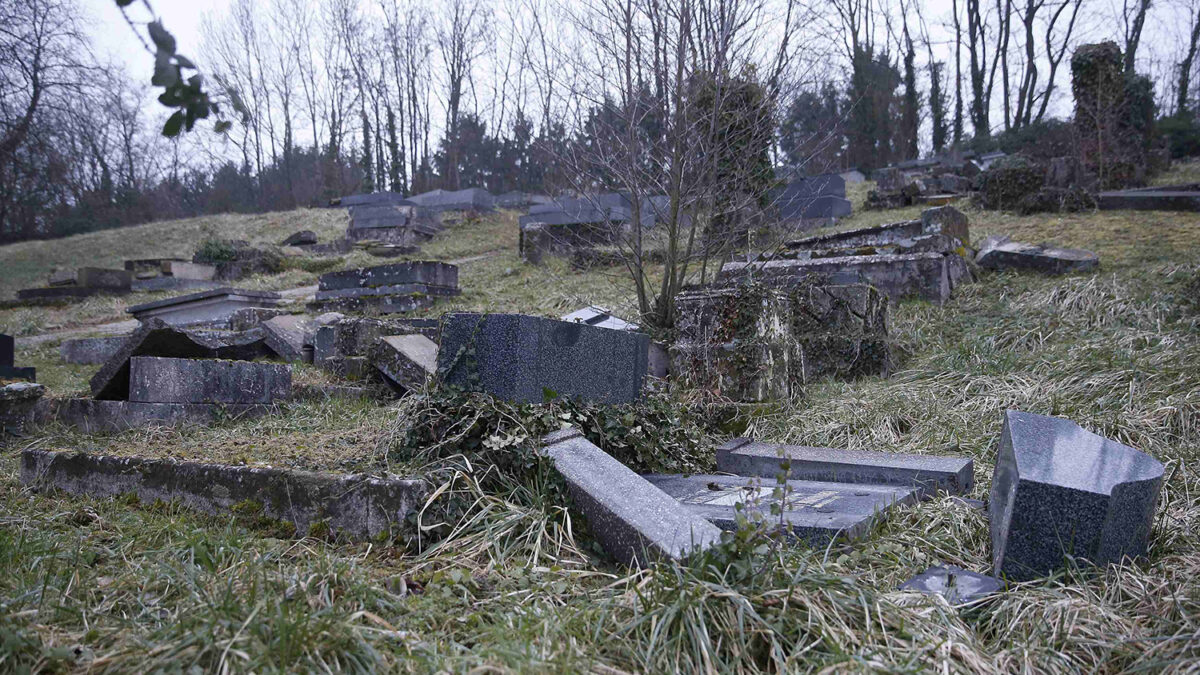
x=112, y=586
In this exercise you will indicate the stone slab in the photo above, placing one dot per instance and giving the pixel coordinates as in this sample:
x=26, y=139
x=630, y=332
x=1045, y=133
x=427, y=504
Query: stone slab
x=373, y=304
x=633, y=520
x=523, y=358
x=61, y=277
x=916, y=275
x=431, y=273
x=287, y=336
x=1000, y=253
x=816, y=512
x=746, y=457
x=109, y=280
x=66, y=292
x=407, y=361
x=163, y=284
x=398, y=289
x=154, y=379
x=156, y=338
x=89, y=351
x=17, y=402
x=301, y=238
x=1059, y=490
x=189, y=270
x=213, y=307
x=370, y=198
x=600, y=317
x=18, y=373
x=1167, y=198
x=99, y=416
x=356, y=505
x=956, y=585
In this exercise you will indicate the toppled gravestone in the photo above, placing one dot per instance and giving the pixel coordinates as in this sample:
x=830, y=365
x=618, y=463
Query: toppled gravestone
x=386, y=289
x=213, y=308
x=7, y=370
x=898, y=276
x=89, y=351
x=301, y=238
x=956, y=585
x=527, y=359
x=1001, y=253
x=406, y=361
x=291, y=337
x=633, y=520
x=156, y=338
x=1060, y=491
x=746, y=457
x=342, y=345
x=81, y=283
x=17, y=401
x=399, y=223
x=754, y=342
x=165, y=380
x=1184, y=197
x=814, y=512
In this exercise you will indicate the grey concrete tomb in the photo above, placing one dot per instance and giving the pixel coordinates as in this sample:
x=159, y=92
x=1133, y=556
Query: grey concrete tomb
x=633, y=520
x=1061, y=492
x=746, y=457
x=213, y=307
x=815, y=512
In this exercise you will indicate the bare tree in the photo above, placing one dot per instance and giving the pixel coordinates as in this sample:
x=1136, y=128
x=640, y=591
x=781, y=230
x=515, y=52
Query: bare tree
x=1133, y=20
x=461, y=42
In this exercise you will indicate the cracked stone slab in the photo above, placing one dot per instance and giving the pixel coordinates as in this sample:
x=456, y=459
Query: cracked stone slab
x=1000, y=253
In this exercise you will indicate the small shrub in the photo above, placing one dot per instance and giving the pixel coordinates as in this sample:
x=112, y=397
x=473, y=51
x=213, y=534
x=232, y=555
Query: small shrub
x=1010, y=180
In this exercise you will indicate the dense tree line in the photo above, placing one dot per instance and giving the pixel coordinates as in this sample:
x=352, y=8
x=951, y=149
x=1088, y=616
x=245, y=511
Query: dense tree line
x=331, y=97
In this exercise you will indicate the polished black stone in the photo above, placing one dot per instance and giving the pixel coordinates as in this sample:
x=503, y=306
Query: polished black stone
x=1059, y=491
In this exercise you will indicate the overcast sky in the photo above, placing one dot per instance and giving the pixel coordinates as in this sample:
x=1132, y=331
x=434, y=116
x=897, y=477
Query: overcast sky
x=112, y=36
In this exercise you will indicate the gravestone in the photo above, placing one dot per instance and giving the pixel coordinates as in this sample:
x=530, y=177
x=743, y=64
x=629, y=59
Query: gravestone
x=287, y=336
x=1160, y=198
x=369, y=198
x=213, y=307
x=469, y=199
x=407, y=361
x=156, y=338
x=1000, y=253
x=89, y=351
x=815, y=512
x=109, y=280
x=7, y=370
x=1059, y=490
x=746, y=457
x=634, y=521
x=956, y=585
x=898, y=276
x=165, y=380
x=599, y=317
x=526, y=359
x=17, y=400
x=386, y=289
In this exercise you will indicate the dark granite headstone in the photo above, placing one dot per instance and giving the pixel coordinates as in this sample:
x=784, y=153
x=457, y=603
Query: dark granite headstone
x=1059, y=490
x=526, y=358
x=957, y=585
x=6, y=349
x=7, y=370
x=634, y=521
x=815, y=512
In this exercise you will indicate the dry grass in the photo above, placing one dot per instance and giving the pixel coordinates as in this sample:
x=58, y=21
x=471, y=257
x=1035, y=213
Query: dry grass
x=104, y=586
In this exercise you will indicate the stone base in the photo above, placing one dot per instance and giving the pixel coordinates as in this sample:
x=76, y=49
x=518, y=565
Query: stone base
x=91, y=415
x=66, y=293
x=355, y=505
x=1166, y=198
x=17, y=402
x=918, y=275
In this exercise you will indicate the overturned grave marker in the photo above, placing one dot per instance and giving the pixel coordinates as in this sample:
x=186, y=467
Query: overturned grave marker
x=407, y=361
x=746, y=457
x=213, y=307
x=1060, y=491
x=956, y=585
x=356, y=505
x=1001, y=253
x=1159, y=198
x=164, y=380
x=386, y=289
x=526, y=359
x=920, y=275
x=815, y=512
x=634, y=521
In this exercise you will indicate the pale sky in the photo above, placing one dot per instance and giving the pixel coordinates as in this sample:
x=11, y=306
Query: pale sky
x=111, y=36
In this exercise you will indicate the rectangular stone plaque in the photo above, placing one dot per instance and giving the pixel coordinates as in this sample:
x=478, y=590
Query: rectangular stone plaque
x=164, y=380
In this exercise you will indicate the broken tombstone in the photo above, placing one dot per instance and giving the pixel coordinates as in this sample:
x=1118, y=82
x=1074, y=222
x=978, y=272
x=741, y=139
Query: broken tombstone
x=7, y=370
x=406, y=361
x=89, y=351
x=1001, y=253
x=386, y=289
x=17, y=401
x=290, y=336
x=899, y=276
x=746, y=457
x=1060, y=492
x=956, y=585
x=815, y=512
x=526, y=359
x=165, y=380
x=633, y=520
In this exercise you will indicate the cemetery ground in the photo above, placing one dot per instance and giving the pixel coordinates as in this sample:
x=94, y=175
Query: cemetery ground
x=514, y=582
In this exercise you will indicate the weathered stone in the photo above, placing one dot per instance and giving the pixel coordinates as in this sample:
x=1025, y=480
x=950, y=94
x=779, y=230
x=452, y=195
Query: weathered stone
x=109, y=280
x=206, y=307
x=633, y=520
x=1059, y=491
x=919, y=275
x=287, y=336
x=469, y=199
x=599, y=317
x=170, y=284
x=355, y=505
x=1162, y=198
x=93, y=416
x=181, y=269
x=407, y=361
x=301, y=238
x=387, y=291
x=163, y=380
x=7, y=370
x=526, y=358
x=251, y=317
x=369, y=198
x=956, y=585
x=1000, y=253
x=148, y=268
x=1008, y=180
x=63, y=293
x=89, y=351
x=156, y=338
x=953, y=184
x=374, y=304
x=17, y=401
x=746, y=457
x=946, y=220
x=815, y=512
x=62, y=277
